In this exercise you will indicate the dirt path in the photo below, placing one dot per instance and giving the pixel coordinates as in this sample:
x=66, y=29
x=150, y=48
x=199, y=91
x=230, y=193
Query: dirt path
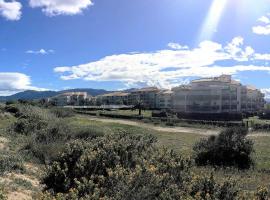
x=178, y=129
x=158, y=128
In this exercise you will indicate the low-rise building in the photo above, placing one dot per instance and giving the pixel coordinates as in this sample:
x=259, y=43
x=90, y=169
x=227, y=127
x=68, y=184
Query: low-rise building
x=115, y=98
x=70, y=98
x=164, y=100
x=216, y=95
x=146, y=96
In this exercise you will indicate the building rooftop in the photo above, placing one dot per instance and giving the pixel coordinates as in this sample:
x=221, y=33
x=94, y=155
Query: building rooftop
x=74, y=93
x=222, y=78
x=147, y=89
x=116, y=94
x=166, y=92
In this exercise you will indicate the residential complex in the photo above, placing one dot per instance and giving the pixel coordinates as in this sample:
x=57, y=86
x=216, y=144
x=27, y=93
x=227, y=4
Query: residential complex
x=145, y=96
x=70, y=98
x=164, y=100
x=217, y=95
x=115, y=98
x=207, y=95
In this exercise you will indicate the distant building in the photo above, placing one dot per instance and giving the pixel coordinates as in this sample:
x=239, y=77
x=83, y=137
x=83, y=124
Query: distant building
x=115, y=98
x=70, y=98
x=216, y=95
x=164, y=100
x=146, y=96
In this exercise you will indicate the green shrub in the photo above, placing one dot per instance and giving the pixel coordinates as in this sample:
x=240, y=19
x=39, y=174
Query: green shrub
x=2, y=194
x=45, y=144
x=88, y=132
x=207, y=188
x=229, y=148
x=13, y=109
x=118, y=167
x=10, y=163
x=262, y=193
x=62, y=112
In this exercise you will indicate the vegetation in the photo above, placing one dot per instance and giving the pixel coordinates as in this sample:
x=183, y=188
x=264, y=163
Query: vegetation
x=230, y=148
x=128, y=167
x=10, y=163
x=77, y=157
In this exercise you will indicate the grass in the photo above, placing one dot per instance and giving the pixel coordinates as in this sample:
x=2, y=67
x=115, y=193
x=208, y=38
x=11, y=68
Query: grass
x=256, y=120
x=145, y=113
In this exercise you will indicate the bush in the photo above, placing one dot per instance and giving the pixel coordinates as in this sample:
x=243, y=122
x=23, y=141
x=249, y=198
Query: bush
x=127, y=167
x=10, y=163
x=118, y=167
x=44, y=144
x=62, y=112
x=262, y=193
x=230, y=148
x=207, y=188
x=88, y=132
x=2, y=194
x=13, y=109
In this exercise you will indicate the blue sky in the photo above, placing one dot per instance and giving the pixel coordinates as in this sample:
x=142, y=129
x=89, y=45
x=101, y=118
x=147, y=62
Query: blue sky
x=118, y=44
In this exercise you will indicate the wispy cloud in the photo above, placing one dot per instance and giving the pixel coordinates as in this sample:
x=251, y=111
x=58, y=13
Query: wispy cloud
x=61, y=7
x=264, y=27
x=41, y=51
x=10, y=10
x=168, y=67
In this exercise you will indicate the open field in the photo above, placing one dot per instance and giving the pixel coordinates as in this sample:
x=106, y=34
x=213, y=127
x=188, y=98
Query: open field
x=178, y=138
x=26, y=184
x=145, y=113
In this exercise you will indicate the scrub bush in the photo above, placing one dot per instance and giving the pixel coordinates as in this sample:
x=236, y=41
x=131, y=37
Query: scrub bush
x=123, y=167
x=230, y=148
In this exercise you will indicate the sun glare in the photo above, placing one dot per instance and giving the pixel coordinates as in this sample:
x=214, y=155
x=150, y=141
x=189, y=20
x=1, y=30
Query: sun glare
x=212, y=20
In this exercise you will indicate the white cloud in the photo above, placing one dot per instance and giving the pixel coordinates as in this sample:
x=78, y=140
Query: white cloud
x=61, y=7
x=41, y=51
x=11, y=10
x=166, y=68
x=177, y=46
x=264, y=27
x=266, y=91
x=264, y=19
x=11, y=83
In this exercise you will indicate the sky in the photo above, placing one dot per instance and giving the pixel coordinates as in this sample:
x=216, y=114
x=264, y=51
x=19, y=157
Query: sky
x=120, y=44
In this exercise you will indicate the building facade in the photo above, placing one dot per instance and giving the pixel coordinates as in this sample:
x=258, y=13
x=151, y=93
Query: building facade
x=115, y=98
x=146, y=96
x=70, y=98
x=216, y=95
x=164, y=100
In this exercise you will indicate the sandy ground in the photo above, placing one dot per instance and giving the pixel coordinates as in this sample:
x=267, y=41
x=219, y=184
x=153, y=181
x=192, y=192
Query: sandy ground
x=177, y=129
x=8, y=179
x=3, y=143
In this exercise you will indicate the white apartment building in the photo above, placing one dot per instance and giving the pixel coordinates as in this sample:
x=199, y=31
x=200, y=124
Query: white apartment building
x=147, y=96
x=115, y=98
x=216, y=95
x=70, y=98
x=164, y=100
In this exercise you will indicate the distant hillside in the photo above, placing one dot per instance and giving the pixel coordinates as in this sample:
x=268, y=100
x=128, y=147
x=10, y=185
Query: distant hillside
x=34, y=95
x=90, y=91
x=29, y=95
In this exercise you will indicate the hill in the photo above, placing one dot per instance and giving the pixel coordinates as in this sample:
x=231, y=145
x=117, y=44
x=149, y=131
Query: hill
x=34, y=95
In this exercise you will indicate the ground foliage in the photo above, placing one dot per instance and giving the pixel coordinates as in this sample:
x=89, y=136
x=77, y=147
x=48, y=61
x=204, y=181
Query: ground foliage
x=231, y=148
